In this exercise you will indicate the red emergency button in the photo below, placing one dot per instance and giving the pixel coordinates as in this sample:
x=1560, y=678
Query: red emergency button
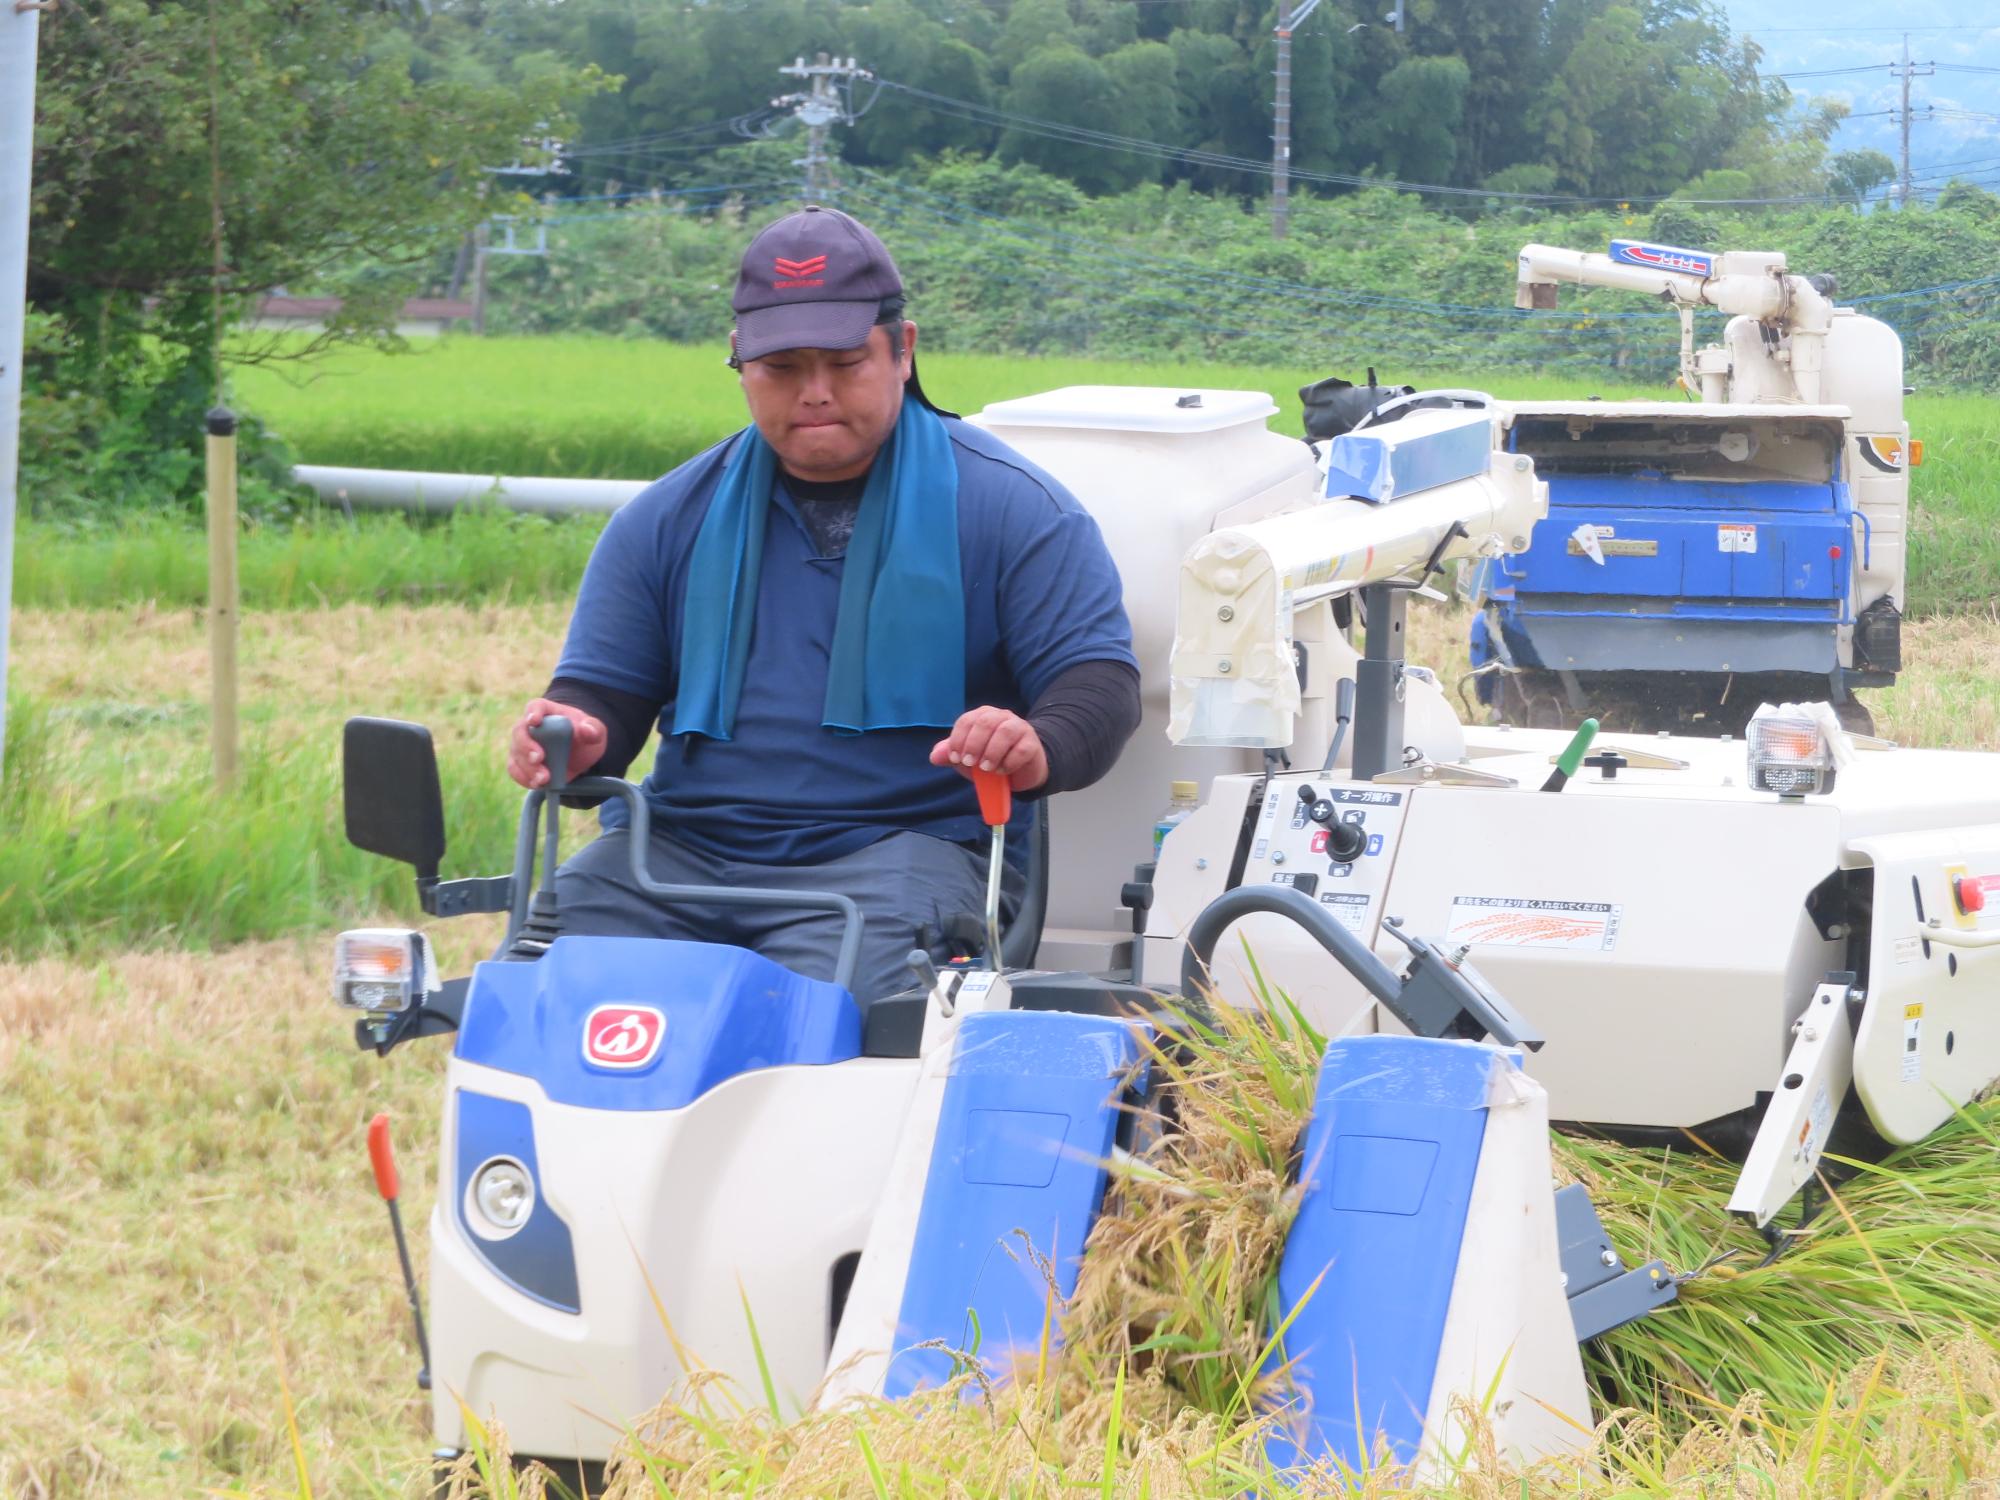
x=1970, y=891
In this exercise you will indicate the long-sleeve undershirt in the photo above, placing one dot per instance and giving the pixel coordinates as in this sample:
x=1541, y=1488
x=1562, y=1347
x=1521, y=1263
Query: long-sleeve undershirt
x=1083, y=720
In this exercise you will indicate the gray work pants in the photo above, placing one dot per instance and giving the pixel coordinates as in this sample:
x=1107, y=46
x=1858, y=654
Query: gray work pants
x=898, y=882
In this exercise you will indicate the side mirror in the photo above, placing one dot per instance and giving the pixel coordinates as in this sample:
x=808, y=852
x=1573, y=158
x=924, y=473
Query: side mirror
x=390, y=792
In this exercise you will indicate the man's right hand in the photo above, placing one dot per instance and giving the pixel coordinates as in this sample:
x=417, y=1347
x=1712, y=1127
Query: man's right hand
x=525, y=761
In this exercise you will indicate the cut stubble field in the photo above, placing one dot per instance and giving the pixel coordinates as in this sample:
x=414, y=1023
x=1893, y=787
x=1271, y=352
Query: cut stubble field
x=191, y=1248
x=191, y=1238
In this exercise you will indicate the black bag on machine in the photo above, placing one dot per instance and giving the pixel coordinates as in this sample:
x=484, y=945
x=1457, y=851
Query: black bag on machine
x=1334, y=406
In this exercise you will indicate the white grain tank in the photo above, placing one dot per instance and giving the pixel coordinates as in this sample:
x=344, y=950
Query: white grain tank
x=1158, y=467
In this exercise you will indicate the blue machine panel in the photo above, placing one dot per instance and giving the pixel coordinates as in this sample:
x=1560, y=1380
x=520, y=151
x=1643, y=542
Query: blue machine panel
x=1767, y=561
x=538, y=1259
x=725, y=1011
x=1030, y=1111
x=1389, y=1162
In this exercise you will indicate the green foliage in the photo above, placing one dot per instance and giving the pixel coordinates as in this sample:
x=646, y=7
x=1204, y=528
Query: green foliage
x=1855, y=175
x=1613, y=96
x=340, y=171
x=1415, y=130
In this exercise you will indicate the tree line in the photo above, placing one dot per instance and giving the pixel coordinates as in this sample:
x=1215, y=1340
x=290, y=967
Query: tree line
x=1596, y=98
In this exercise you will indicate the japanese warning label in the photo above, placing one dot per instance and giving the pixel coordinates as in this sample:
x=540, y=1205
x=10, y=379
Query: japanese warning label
x=1913, y=1043
x=1513, y=922
x=1349, y=908
x=1735, y=538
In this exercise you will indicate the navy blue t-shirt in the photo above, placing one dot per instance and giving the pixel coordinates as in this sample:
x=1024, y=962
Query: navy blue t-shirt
x=1041, y=595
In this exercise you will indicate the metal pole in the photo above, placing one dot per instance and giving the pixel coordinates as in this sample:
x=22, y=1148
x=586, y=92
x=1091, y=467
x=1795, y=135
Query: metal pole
x=817, y=119
x=19, y=33
x=1379, y=685
x=1903, y=189
x=1281, y=139
x=222, y=609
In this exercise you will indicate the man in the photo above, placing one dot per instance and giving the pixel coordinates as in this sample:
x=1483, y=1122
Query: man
x=833, y=616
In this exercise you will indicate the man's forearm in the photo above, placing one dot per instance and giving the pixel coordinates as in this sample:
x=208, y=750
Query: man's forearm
x=627, y=718
x=1083, y=720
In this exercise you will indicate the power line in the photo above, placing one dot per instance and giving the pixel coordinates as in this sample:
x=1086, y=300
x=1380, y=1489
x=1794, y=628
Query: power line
x=1110, y=140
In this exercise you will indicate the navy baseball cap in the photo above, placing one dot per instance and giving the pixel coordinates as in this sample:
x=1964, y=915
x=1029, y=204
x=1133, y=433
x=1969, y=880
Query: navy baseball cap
x=816, y=279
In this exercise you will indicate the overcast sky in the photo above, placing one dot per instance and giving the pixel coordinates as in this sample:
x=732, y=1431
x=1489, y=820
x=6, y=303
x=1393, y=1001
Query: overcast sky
x=1856, y=33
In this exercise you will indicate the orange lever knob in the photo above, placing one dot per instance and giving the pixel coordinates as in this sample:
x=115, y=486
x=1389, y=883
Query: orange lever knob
x=382, y=1156
x=996, y=797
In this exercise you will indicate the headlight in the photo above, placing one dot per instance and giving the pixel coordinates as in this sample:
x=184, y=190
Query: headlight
x=501, y=1197
x=375, y=969
x=1791, y=749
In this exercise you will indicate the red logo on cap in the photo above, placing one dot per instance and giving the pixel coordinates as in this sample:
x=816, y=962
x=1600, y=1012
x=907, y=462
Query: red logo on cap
x=623, y=1036
x=805, y=272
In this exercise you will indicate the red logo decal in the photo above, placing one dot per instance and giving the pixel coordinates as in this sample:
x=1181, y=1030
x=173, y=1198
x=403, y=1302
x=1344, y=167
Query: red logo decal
x=794, y=273
x=1319, y=842
x=623, y=1036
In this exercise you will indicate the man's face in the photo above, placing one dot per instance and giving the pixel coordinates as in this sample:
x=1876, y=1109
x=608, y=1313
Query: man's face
x=826, y=411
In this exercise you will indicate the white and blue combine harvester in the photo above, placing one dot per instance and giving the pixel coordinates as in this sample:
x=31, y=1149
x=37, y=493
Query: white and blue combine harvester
x=1738, y=543
x=647, y=1144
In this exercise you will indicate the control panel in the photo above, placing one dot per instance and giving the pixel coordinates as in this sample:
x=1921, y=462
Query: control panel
x=1332, y=840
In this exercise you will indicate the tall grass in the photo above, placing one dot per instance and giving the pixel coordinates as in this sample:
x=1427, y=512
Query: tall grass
x=329, y=558
x=112, y=834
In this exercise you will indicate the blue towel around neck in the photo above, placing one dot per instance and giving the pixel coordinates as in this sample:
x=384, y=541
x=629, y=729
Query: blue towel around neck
x=898, y=657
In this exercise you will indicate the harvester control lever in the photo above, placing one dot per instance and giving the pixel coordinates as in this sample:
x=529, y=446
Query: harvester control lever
x=1345, y=842
x=996, y=806
x=1572, y=756
x=1609, y=763
x=554, y=734
x=1136, y=895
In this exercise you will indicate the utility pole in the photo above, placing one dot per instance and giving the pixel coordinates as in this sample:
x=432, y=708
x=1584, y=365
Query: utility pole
x=1906, y=72
x=821, y=108
x=20, y=22
x=1281, y=136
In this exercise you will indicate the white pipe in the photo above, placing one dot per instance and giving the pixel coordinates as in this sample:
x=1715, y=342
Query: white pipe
x=19, y=33
x=412, y=489
x=1551, y=263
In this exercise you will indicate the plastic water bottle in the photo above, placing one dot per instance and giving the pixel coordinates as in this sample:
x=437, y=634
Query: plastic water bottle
x=1186, y=798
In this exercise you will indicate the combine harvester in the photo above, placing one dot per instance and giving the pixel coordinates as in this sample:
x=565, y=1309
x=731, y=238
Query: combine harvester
x=1703, y=556
x=1760, y=939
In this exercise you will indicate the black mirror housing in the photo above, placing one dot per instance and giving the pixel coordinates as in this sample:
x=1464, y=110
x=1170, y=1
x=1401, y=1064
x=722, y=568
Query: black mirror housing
x=390, y=792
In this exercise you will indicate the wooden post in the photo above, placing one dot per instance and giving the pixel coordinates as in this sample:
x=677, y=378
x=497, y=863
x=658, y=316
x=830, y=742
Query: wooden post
x=222, y=602
x=479, y=254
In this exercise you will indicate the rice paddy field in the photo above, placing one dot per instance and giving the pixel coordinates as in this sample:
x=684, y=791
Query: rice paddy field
x=198, y=1294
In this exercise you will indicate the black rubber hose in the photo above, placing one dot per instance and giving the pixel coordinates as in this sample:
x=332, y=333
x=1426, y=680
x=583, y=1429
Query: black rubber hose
x=1352, y=954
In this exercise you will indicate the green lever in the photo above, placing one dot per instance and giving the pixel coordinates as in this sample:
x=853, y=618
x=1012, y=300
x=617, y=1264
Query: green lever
x=1572, y=756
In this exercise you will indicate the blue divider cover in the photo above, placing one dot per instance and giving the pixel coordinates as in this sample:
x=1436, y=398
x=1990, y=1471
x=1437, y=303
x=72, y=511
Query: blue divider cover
x=1388, y=1168
x=1029, y=1114
x=727, y=1011
x=538, y=1259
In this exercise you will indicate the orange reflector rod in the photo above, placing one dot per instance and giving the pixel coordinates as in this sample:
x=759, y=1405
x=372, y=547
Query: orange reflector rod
x=1916, y=451
x=383, y=1156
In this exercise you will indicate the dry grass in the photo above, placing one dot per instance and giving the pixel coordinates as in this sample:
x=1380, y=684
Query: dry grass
x=186, y=1198
x=301, y=661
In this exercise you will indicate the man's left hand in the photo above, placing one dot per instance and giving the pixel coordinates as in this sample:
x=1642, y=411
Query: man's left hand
x=992, y=739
